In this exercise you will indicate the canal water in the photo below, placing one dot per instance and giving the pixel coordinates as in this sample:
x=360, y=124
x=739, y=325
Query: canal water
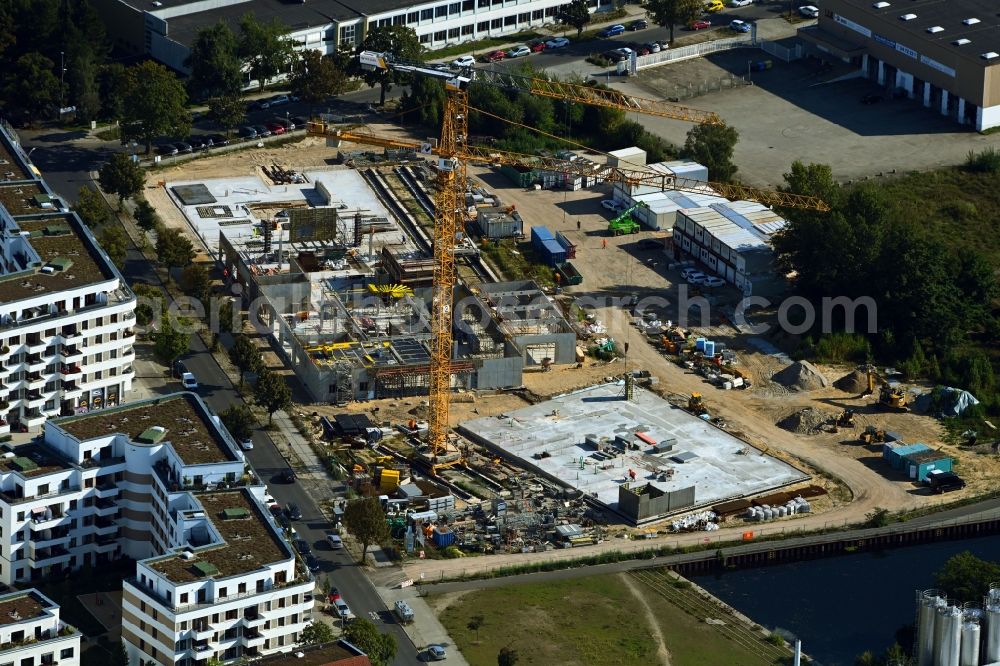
x=841, y=606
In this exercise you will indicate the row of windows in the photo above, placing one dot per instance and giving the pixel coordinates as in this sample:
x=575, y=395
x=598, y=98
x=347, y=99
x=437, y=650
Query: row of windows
x=47, y=658
x=486, y=26
x=444, y=11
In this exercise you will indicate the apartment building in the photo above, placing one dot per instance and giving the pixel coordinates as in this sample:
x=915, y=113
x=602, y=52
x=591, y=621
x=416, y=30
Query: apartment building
x=160, y=481
x=66, y=316
x=31, y=633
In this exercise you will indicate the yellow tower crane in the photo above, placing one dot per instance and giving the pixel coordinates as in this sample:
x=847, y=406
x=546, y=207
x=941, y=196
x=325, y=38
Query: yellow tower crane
x=453, y=153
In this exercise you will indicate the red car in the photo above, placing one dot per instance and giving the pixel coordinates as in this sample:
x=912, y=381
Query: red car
x=700, y=24
x=276, y=129
x=496, y=55
x=536, y=45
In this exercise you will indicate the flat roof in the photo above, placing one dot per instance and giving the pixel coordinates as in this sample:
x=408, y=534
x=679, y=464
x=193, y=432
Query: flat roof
x=56, y=237
x=21, y=606
x=318, y=655
x=249, y=541
x=25, y=199
x=33, y=459
x=983, y=35
x=189, y=431
x=11, y=168
x=725, y=467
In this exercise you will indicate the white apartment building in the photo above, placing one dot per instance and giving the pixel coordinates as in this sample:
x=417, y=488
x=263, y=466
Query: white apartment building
x=162, y=482
x=66, y=316
x=31, y=633
x=166, y=30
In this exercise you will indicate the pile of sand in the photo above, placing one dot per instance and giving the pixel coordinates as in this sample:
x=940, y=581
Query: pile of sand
x=801, y=376
x=805, y=421
x=853, y=382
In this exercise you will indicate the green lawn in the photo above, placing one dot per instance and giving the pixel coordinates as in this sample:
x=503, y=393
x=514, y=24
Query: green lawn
x=581, y=621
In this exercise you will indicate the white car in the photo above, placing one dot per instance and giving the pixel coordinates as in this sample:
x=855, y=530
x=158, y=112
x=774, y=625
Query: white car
x=436, y=653
x=464, y=61
x=713, y=281
x=518, y=51
x=335, y=541
x=343, y=610
x=612, y=204
x=556, y=43
x=246, y=444
x=189, y=381
x=275, y=101
x=740, y=3
x=696, y=277
x=809, y=11
x=688, y=271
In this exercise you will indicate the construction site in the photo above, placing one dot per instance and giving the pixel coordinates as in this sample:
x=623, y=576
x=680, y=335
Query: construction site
x=499, y=414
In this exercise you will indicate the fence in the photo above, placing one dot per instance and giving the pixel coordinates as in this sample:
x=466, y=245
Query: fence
x=782, y=52
x=686, y=53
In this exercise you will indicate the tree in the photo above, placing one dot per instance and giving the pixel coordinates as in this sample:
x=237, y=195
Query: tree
x=712, y=146
x=83, y=89
x=196, y=282
x=965, y=577
x=145, y=215
x=173, y=249
x=264, y=48
x=272, y=392
x=228, y=110
x=239, y=421
x=507, y=656
x=112, y=83
x=113, y=240
x=148, y=298
x=668, y=13
x=214, y=63
x=155, y=104
x=316, y=77
x=122, y=176
x=475, y=623
x=91, y=207
x=169, y=343
x=316, y=633
x=576, y=14
x=423, y=103
x=366, y=521
x=380, y=648
x=402, y=42
x=245, y=356
x=33, y=84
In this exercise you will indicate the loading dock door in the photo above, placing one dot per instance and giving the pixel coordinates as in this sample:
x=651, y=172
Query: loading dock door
x=535, y=353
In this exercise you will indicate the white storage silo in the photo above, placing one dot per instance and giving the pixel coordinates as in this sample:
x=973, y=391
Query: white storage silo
x=992, y=644
x=969, y=655
x=929, y=602
x=948, y=636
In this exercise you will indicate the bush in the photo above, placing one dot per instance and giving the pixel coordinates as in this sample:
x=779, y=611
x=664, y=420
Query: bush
x=986, y=161
x=842, y=347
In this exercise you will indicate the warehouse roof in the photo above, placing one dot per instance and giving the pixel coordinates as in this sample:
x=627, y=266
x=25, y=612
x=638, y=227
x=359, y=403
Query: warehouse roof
x=976, y=21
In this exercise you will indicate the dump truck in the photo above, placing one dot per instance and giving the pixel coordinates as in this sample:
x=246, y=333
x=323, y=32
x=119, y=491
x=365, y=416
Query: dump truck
x=568, y=275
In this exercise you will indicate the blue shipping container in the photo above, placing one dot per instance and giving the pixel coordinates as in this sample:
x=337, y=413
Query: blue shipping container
x=442, y=538
x=553, y=253
x=539, y=235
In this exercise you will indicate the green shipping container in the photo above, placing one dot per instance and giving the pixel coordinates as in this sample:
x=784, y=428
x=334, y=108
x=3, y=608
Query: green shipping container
x=518, y=177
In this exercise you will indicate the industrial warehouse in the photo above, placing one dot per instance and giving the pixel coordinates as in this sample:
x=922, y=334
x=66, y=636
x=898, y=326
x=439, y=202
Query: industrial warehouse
x=637, y=455
x=941, y=54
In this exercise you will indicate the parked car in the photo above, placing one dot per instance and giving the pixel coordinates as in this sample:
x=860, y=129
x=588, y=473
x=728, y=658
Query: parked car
x=737, y=25
x=262, y=131
x=302, y=546
x=464, y=61
x=278, y=100
x=288, y=476
x=696, y=277
x=276, y=128
x=287, y=123
x=713, y=281
x=612, y=204
x=189, y=381
x=638, y=24
x=166, y=149
x=436, y=653
x=700, y=24
x=333, y=595
x=293, y=512
x=300, y=121
x=685, y=272
x=246, y=444
x=809, y=11
x=535, y=45
x=652, y=47
x=343, y=610
x=441, y=67
x=496, y=55
x=312, y=563
x=614, y=55
x=518, y=52
x=556, y=43
x=199, y=142
x=248, y=133
x=335, y=541
x=217, y=140
x=612, y=30
x=740, y=3
x=945, y=481
x=714, y=6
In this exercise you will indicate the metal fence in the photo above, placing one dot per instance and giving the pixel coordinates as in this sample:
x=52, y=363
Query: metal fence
x=782, y=52
x=686, y=53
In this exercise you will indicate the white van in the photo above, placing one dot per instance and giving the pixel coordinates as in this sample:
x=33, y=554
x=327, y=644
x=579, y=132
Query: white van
x=404, y=612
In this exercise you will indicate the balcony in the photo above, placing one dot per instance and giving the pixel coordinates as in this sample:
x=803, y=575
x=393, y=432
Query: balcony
x=105, y=543
x=36, y=343
x=202, y=646
x=70, y=369
x=37, y=362
x=50, y=351
x=253, y=619
x=71, y=390
x=70, y=352
x=105, y=527
x=44, y=557
x=106, y=490
x=56, y=537
x=253, y=638
x=48, y=520
x=36, y=380
x=105, y=507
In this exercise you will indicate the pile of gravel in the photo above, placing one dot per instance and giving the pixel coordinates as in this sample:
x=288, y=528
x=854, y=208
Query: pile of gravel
x=801, y=376
x=853, y=382
x=805, y=421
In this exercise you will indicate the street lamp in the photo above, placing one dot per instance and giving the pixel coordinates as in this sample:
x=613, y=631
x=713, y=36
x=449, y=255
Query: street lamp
x=62, y=81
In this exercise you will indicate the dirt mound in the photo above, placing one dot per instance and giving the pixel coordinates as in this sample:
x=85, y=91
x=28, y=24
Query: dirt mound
x=420, y=412
x=801, y=376
x=853, y=382
x=805, y=421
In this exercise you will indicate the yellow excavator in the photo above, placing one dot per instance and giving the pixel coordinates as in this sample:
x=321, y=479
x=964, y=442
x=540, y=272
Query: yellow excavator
x=891, y=398
x=696, y=405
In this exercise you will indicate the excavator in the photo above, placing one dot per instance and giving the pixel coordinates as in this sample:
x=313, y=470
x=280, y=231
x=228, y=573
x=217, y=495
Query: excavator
x=625, y=223
x=872, y=435
x=696, y=405
x=890, y=398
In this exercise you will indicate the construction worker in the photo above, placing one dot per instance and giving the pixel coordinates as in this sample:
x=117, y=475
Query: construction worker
x=604, y=243
x=578, y=225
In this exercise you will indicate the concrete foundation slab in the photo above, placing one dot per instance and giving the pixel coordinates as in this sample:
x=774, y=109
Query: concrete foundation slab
x=588, y=440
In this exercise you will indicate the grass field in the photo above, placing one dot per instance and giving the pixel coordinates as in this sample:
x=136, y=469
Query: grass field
x=592, y=620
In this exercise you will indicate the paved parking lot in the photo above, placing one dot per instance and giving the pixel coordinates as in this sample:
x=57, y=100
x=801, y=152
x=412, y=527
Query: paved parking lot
x=786, y=116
